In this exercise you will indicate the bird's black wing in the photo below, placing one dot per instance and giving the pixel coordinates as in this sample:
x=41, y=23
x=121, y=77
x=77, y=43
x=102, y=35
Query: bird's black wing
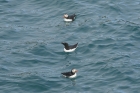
x=67, y=73
x=71, y=16
x=73, y=46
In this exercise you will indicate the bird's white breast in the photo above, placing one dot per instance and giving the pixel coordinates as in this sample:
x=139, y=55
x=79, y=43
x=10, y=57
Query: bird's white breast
x=68, y=20
x=73, y=76
x=70, y=50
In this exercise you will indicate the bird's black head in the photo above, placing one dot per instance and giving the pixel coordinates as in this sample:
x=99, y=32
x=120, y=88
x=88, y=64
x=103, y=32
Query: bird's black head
x=66, y=45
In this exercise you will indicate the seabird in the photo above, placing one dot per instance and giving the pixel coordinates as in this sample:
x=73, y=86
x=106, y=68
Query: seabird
x=69, y=48
x=69, y=18
x=71, y=74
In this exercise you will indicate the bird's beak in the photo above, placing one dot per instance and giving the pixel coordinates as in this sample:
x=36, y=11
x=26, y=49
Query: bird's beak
x=76, y=71
x=63, y=43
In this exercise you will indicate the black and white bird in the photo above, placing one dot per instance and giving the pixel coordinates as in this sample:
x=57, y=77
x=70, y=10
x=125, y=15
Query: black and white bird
x=69, y=48
x=69, y=18
x=71, y=74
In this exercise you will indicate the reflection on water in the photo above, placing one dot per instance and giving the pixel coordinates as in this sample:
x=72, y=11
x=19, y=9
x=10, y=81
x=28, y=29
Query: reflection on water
x=73, y=82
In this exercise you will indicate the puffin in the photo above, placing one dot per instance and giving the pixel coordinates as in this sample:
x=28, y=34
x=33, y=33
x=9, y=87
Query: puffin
x=71, y=74
x=69, y=48
x=69, y=18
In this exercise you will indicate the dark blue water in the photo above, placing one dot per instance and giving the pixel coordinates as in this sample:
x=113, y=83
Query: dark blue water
x=32, y=56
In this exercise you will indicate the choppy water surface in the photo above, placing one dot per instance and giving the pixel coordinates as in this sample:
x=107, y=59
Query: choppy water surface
x=32, y=56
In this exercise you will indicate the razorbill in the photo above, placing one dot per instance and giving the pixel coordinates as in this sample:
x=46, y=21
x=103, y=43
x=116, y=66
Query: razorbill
x=69, y=18
x=71, y=74
x=69, y=48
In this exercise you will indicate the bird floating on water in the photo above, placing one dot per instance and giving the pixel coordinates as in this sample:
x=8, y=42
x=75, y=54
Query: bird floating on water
x=69, y=48
x=71, y=74
x=69, y=18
